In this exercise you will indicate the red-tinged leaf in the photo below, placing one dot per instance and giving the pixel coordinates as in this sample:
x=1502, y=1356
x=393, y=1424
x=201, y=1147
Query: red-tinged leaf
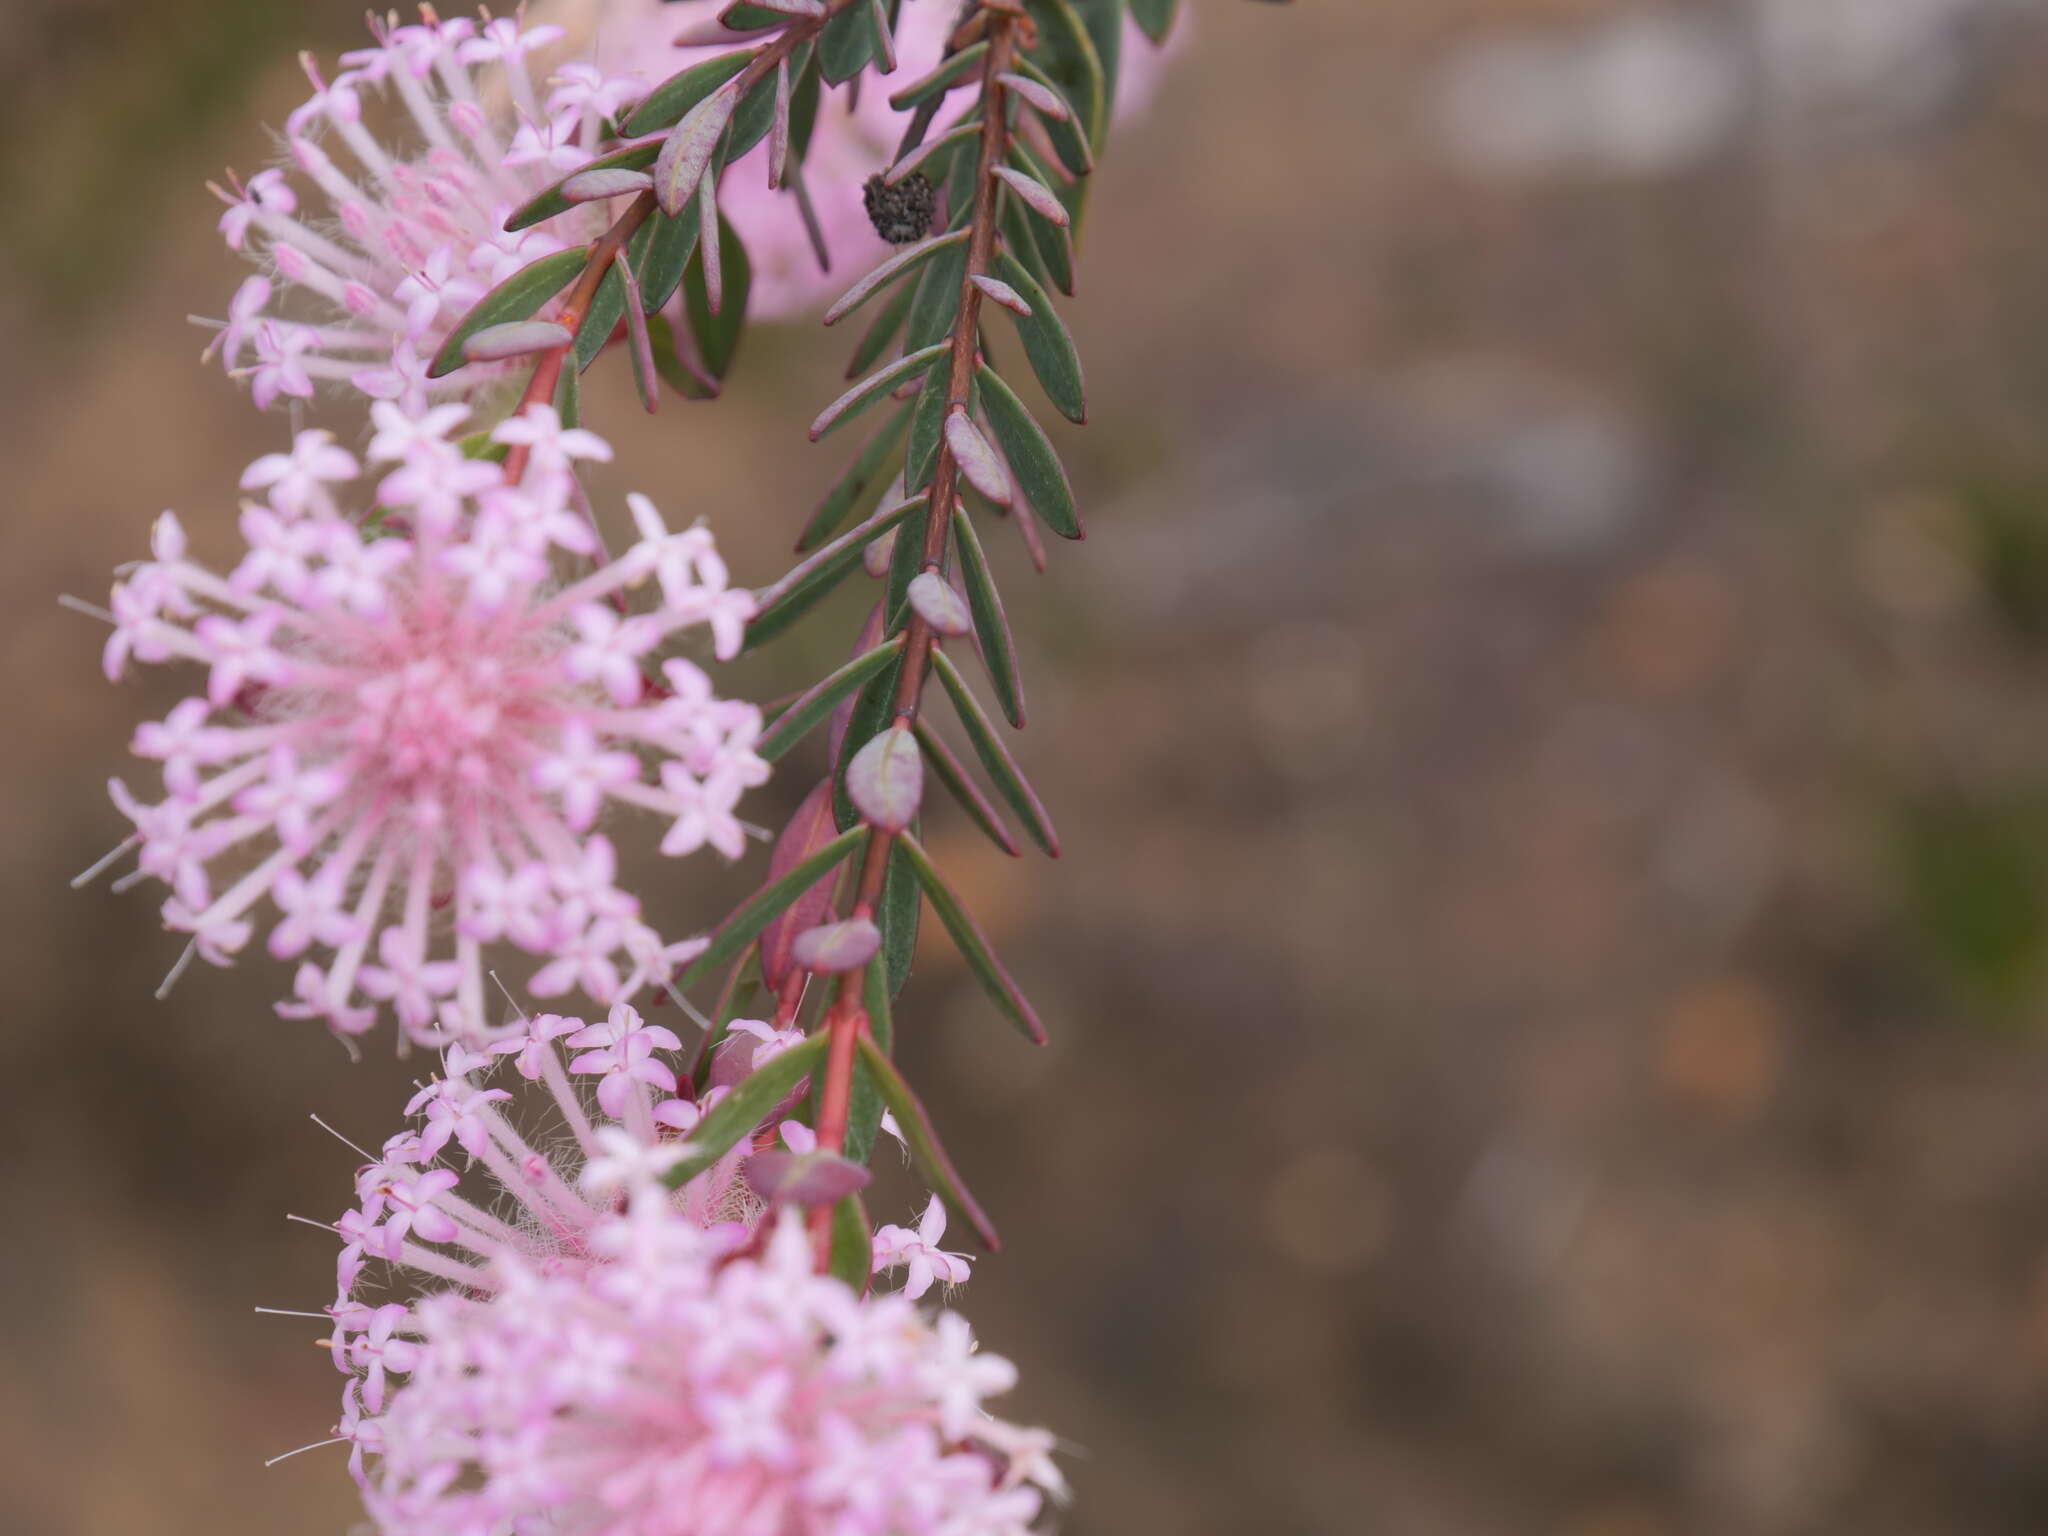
x=708, y=241
x=894, y=267
x=516, y=298
x=759, y=910
x=1153, y=17
x=778, y=130
x=1042, y=99
x=789, y=599
x=745, y=1107
x=551, y=203
x=803, y=1178
x=665, y=105
x=834, y=947
x=933, y=599
x=948, y=770
x=1039, y=472
x=1035, y=195
x=885, y=45
x=925, y=1147
x=873, y=387
x=1002, y=769
x=885, y=780
x=972, y=943
x=863, y=484
x=642, y=344
x=796, y=722
x=1002, y=293
x=951, y=139
x=596, y=185
x=952, y=70
x=991, y=625
x=687, y=152
x=880, y=554
x=515, y=338
x=977, y=460
x=809, y=830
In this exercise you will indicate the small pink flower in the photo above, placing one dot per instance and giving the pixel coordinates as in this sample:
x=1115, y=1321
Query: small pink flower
x=919, y=1253
x=393, y=724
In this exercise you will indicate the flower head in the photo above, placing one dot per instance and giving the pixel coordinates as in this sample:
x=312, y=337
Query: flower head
x=365, y=288
x=592, y=1352
x=408, y=733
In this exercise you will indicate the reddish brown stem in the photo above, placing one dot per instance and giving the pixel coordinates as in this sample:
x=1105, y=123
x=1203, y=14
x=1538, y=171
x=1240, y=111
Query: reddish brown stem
x=846, y=1020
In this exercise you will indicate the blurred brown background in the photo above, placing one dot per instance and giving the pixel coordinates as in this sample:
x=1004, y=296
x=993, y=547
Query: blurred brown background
x=1548, y=975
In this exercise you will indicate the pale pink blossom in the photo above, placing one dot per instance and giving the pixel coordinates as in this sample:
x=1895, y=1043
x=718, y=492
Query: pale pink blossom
x=406, y=233
x=583, y=1350
x=918, y=1252
x=407, y=737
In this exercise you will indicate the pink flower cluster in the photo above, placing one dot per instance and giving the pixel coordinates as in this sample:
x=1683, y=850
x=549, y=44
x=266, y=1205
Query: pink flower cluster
x=409, y=241
x=409, y=730
x=608, y=1356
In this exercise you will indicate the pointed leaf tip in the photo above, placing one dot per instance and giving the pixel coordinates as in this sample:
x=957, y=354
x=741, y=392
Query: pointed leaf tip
x=686, y=153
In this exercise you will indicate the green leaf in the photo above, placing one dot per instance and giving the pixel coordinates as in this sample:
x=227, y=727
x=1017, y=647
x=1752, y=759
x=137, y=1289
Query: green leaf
x=745, y=1107
x=1154, y=17
x=1065, y=58
x=516, y=298
x=1046, y=342
x=718, y=336
x=1032, y=459
x=550, y=203
x=1046, y=249
x=927, y=427
x=852, y=1254
x=603, y=317
x=887, y=322
x=906, y=559
x=864, y=1104
x=745, y=924
x=872, y=709
x=951, y=72
x=569, y=397
x=756, y=115
x=925, y=1148
x=667, y=252
x=1002, y=769
x=796, y=722
x=803, y=108
x=845, y=46
x=937, y=304
x=898, y=918
x=668, y=362
x=665, y=105
x=947, y=770
x=873, y=388
x=991, y=627
x=972, y=943
x=905, y=259
x=862, y=484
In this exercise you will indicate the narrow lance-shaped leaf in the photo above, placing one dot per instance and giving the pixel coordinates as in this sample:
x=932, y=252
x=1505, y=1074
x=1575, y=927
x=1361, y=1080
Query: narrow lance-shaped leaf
x=864, y=1105
x=873, y=387
x=745, y=925
x=644, y=377
x=973, y=944
x=603, y=318
x=745, y=1107
x=926, y=153
x=947, y=769
x=881, y=330
x=796, y=722
x=995, y=757
x=793, y=596
x=933, y=599
x=952, y=71
x=554, y=201
x=718, y=333
x=778, y=133
x=1047, y=343
x=845, y=46
x=1039, y=472
x=686, y=153
x=809, y=830
x=667, y=102
x=901, y=908
x=999, y=292
x=991, y=625
x=862, y=484
x=887, y=271
x=927, y=427
x=666, y=254
x=1041, y=98
x=515, y=338
x=884, y=44
x=710, y=259
x=937, y=305
x=1154, y=17
x=924, y=1145
x=1034, y=194
x=516, y=298
x=832, y=948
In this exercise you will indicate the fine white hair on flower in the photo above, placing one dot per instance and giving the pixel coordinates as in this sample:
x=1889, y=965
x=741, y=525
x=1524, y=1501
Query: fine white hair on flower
x=412, y=233
x=410, y=730
x=583, y=1350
